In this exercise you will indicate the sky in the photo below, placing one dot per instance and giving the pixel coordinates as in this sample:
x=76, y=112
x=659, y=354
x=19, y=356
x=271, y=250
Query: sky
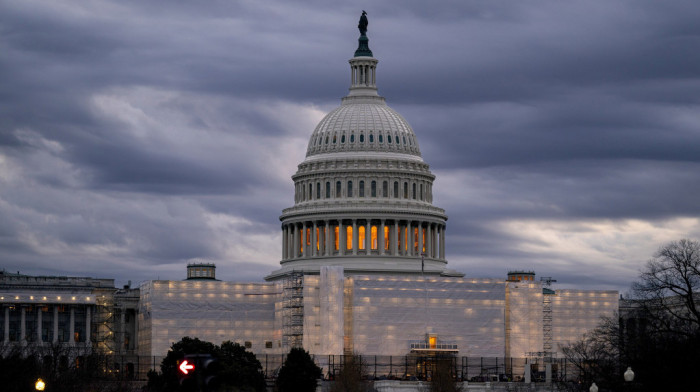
x=137, y=136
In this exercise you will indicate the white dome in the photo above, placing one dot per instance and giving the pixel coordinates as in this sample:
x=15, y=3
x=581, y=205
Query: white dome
x=363, y=124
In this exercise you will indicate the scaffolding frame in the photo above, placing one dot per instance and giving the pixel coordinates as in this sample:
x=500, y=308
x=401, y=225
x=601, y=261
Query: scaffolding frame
x=293, y=313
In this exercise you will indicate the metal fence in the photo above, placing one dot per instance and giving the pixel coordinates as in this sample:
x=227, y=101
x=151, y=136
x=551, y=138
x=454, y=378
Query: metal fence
x=379, y=367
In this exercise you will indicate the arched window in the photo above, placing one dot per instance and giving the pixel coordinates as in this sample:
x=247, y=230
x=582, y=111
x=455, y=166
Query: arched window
x=318, y=190
x=396, y=189
x=326, y=139
x=352, y=138
x=334, y=138
x=404, y=140
x=303, y=193
x=414, y=191
x=421, y=191
x=342, y=139
x=328, y=190
x=350, y=189
x=373, y=189
x=388, y=139
x=362, y=189
x=311, y=193
x=337, y=189
x=361, y=237
x=362, y=138
x=398, y=141
x=385, y=189
x=405, y=190
x=381, y=138
x=371, y=138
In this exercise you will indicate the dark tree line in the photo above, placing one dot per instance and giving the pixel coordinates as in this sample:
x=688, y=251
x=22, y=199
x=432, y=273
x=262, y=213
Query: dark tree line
x=657, y=333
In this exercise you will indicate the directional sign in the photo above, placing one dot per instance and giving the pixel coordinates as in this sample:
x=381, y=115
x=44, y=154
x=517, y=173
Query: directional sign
x=185, y=367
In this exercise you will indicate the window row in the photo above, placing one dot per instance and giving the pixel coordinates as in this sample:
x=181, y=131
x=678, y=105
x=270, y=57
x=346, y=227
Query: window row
x=351, y=138
x=308, y=191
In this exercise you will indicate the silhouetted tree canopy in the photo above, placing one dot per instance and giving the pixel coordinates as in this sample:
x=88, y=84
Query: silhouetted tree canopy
x=298, y=373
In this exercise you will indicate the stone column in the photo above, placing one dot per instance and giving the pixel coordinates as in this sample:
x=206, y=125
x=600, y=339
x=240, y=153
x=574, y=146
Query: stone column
x=6, y=338
x=304, y=247
x=55, y=324
x=122, y=329
x=355, y=237
x=429, y=240
x=71, y=328
x=284, y=242
x=442, y=241
x=341, y=237
x=22, y=324
x=368, y=237
x=326, y=237
x=395, y=239
x=297, y=241
x=313, y=252
x=380, y=241
x=88, y=314
x=39, y=337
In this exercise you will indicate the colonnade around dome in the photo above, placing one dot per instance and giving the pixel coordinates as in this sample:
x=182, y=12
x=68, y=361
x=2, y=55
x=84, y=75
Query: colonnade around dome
x=370, y=237
x=309, y=190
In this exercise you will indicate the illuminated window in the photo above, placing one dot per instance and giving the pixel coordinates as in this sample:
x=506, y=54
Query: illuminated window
x=424, y=233
x=328, y=190
x=349, y=188
x=308, y=236
x=361, y=239
x=337, y=189
x=301, y=243
x=362, y=189
x=318, y=239
x=386, y=237
x=406, y=239
x=398, y=238
x=385, y=189
x=336, y=236
x=415, y=239
x=432, y=341
x=373, y=240
x=373, y=189
x=396, y=189
x=348, y=232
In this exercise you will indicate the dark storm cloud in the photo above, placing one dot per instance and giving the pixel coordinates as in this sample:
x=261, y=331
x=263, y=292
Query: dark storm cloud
x=138, y=135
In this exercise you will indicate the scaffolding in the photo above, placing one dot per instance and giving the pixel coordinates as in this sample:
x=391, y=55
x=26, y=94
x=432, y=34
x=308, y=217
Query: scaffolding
x=293, y=316
x=547, y=294
x=104, y=323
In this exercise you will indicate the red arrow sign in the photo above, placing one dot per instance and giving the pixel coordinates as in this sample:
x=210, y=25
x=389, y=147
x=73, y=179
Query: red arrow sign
x=185, y=367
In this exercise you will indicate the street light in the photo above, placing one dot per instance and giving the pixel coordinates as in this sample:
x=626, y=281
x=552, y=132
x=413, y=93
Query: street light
x=629, y=375
x=39, y=385
x=593, y=388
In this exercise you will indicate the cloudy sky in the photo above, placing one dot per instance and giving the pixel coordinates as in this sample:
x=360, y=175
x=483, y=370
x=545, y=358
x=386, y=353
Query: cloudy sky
x=136, y=136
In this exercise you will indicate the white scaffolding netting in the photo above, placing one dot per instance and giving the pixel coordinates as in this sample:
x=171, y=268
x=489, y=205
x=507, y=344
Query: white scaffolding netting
x=575, y=312
x=389, y=314
x=524, y=318
x=209, y=310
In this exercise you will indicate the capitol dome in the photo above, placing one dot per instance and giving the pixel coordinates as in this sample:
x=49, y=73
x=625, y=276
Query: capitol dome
x=363, y=194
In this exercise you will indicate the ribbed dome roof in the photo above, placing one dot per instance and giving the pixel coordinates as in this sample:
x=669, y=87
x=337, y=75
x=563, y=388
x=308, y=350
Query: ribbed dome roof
x=363, y=124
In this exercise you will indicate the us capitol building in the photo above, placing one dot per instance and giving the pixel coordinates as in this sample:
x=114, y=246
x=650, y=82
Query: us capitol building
x=363, y=267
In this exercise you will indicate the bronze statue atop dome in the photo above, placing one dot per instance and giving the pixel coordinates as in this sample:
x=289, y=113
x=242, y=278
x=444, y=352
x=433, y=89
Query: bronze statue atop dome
x=363, y=23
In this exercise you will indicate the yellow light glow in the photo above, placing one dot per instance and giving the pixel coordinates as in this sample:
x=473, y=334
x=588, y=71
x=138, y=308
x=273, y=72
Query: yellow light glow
x=349, y=237
x=39, y=385
x=361, y=239
x=373, y=239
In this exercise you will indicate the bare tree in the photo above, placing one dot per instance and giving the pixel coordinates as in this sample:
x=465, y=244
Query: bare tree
x=352, y=376
x=667, y=291
x=443, y=378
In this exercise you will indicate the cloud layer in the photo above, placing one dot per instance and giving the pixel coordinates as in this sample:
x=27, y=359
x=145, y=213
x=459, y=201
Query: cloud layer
x=138, y=135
